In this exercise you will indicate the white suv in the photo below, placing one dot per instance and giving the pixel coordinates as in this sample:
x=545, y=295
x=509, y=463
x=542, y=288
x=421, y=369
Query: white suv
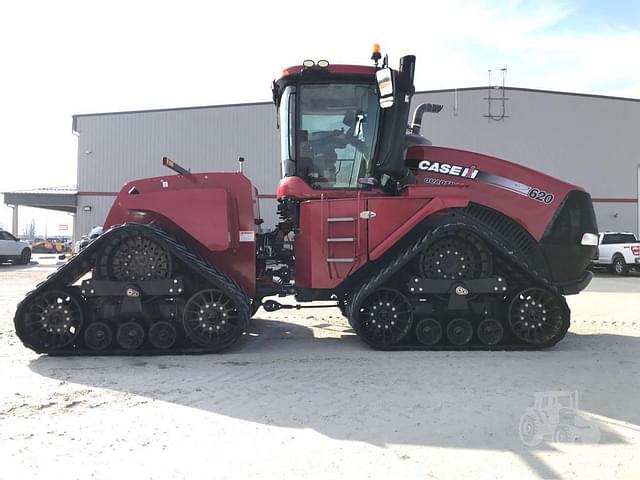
x=14, y=249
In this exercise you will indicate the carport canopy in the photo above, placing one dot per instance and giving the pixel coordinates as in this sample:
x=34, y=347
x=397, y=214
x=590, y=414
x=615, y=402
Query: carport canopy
x=62, y=199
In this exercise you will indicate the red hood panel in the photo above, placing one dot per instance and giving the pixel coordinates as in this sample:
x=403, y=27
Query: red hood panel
x=526, y=195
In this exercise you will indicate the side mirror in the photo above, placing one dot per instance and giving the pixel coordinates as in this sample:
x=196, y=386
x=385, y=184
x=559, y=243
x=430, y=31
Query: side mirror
x=384, y=77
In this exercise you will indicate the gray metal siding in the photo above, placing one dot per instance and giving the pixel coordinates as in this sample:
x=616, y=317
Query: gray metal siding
x=85, y=221
x=114, y=149
x=589, y=141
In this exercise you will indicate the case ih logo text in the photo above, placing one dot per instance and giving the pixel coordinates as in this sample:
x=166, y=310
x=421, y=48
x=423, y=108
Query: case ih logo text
x=448, y=169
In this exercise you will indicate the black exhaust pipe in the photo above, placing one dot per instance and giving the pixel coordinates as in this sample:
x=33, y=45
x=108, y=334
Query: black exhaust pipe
x=416, y=125
x=395, y=118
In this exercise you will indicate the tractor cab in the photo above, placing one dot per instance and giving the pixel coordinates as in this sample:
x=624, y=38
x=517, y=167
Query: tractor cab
x=342, y=127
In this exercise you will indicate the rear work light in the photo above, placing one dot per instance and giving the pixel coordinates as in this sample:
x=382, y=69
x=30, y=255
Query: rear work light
x=589, y=239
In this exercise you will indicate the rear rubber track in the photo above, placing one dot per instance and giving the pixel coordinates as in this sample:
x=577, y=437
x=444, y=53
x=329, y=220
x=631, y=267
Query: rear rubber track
x=64, y=277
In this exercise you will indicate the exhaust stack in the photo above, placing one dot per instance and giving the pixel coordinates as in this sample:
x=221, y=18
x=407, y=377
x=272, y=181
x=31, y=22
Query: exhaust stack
x=416, y=125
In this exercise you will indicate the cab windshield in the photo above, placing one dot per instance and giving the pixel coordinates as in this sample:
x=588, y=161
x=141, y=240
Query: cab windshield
x=333, y=141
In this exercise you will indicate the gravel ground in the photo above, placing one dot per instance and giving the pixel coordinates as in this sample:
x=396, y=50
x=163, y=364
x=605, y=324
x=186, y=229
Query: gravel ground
x=301, y=397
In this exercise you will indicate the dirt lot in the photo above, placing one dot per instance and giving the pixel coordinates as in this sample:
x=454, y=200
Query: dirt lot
x=301, y=397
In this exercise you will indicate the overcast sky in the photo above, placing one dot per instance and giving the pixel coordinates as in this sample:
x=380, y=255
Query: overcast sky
x=67, y=57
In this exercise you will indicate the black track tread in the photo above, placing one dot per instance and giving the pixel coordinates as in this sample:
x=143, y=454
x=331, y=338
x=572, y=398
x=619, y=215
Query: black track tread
x=516, y=263
x=85, y=261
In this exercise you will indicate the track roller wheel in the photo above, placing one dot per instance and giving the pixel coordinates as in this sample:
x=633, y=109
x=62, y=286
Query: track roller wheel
x=428, y=331
x=212, y=319
x=51, y=321
x=385, y=318
x=98, y=336
x=490, y=331
x=134, y=258
x=459, y=331
x=130, y=335
x=538, y=316
x=162, y=335
x=457, y=255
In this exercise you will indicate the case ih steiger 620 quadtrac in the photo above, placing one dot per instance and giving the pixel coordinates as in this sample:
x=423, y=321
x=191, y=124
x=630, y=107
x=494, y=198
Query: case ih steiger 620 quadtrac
x=420, y=247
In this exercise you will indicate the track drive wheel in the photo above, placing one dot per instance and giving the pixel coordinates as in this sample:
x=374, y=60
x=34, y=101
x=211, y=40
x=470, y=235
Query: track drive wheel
x=212, y=319
x=51, y=321
x=384, y=318
x=134, y=258
x=456, y=255
x=538, y=317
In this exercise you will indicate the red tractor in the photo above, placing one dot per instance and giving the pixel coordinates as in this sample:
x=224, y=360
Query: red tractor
x=421, y=247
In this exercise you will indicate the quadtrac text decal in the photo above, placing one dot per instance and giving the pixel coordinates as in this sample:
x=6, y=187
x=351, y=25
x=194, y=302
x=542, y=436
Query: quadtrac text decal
x=472, y=173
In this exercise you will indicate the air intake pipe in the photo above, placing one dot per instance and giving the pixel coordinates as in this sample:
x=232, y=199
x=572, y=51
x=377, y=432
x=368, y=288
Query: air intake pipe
x=416, y=125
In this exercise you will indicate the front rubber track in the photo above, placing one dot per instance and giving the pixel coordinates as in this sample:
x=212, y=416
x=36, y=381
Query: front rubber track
x=517, y=272
x=83, y=263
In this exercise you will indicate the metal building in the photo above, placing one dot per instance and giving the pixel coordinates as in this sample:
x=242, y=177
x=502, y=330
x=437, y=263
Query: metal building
x=588, y=140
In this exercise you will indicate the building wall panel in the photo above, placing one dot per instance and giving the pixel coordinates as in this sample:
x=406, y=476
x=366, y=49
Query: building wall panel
x=589, y=141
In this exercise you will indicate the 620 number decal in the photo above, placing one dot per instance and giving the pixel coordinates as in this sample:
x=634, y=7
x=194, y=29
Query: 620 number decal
x=541, y=196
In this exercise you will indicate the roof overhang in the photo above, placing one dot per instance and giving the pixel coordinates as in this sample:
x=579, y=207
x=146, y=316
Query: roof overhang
x=62, y=199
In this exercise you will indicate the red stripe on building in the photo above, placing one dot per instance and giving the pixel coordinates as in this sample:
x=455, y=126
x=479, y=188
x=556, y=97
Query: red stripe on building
x=272, y=196
x=98, y=194
x=615, y=200
x=114, y=194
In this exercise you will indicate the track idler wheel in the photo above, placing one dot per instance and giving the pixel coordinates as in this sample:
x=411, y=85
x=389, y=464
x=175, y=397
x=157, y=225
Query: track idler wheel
x=98, y=336
x=51, y=321
x=490, y=331
x=134, y=258
x=459, y=331
x=538, y=317
x=162, y=335
x=428, y=331
x=130, y=335
x=212, y=320
x=384, y=319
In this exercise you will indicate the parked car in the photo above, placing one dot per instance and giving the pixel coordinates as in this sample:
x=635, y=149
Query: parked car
x=617, y=251
x=86, y=239
x=14, y=249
